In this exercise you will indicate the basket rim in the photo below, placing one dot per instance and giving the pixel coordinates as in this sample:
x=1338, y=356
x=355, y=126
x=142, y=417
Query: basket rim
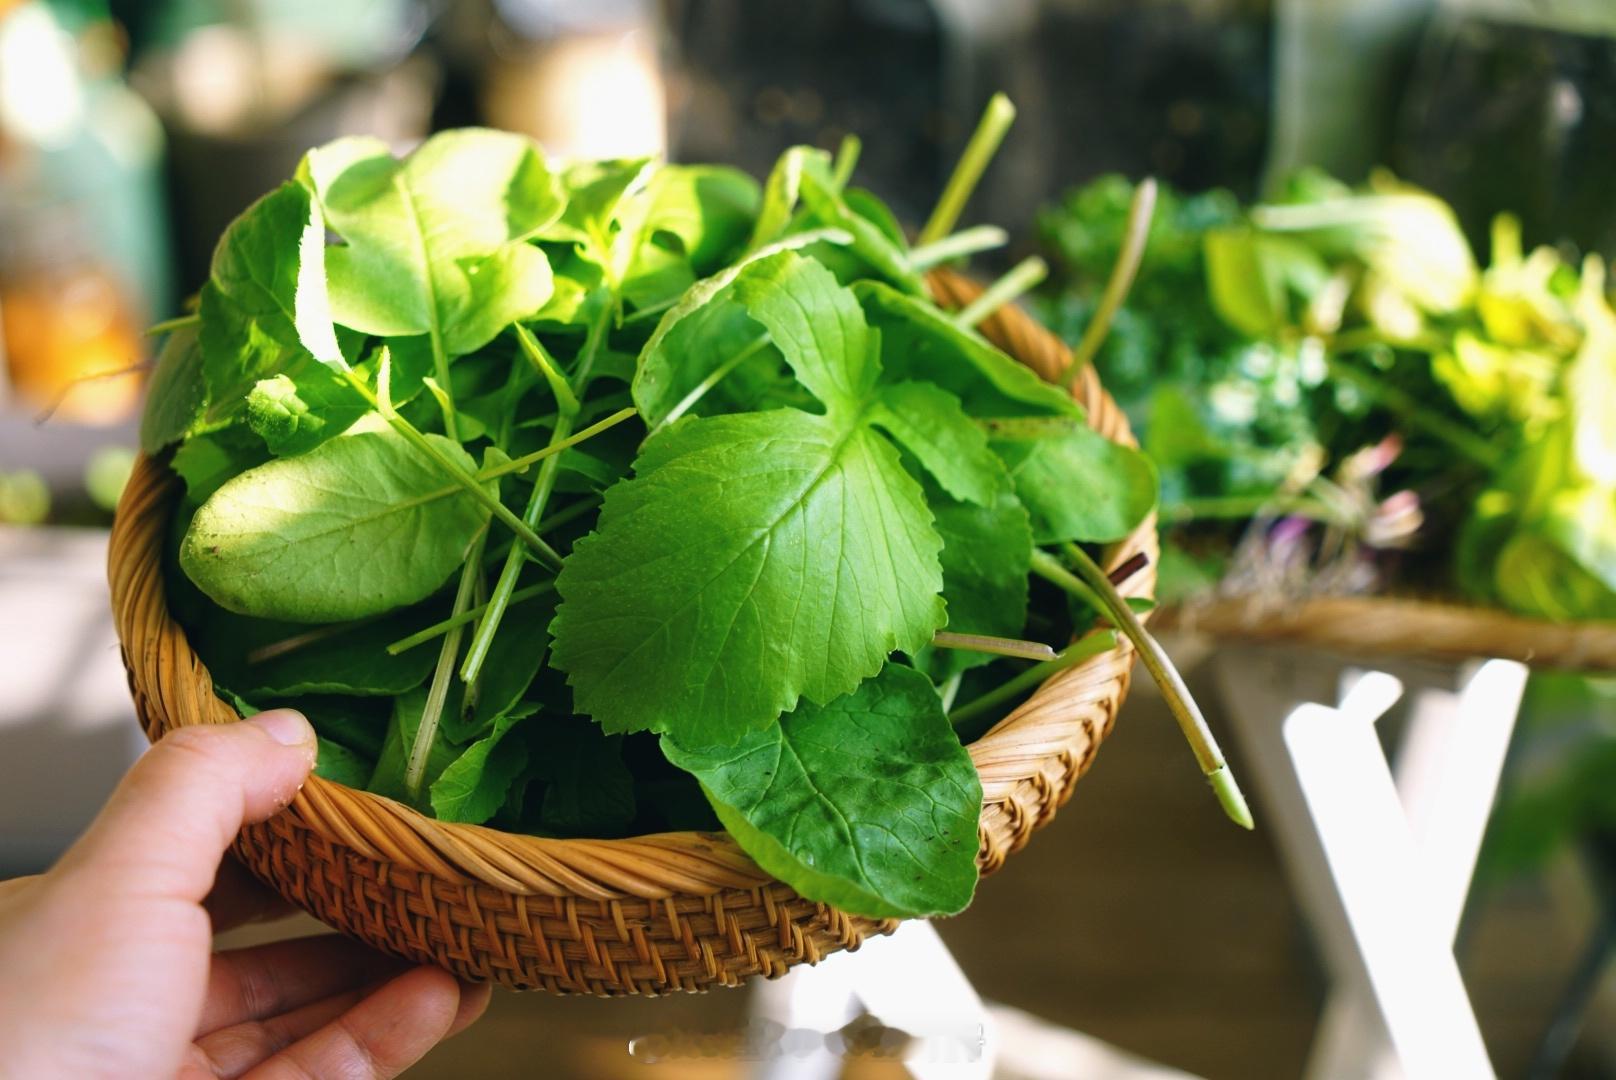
x=1026, y=760
x=1397, y=625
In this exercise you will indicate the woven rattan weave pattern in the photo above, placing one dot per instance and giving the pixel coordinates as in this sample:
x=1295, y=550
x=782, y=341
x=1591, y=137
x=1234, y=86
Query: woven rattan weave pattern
x=647, y=915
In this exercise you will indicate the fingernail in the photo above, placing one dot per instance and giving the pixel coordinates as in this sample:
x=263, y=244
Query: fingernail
x=285, y=726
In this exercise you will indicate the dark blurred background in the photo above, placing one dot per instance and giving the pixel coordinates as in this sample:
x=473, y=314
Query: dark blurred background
x=132, y=131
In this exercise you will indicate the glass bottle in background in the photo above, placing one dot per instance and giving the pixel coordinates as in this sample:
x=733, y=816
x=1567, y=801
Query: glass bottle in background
x=1512, y=106
x=67, y=322
x=83, y=251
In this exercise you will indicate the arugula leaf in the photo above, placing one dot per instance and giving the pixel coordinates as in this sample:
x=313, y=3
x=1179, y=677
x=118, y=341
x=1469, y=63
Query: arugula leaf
x=707, y=328
x=264, y=308
x=987, y=555
x=361, y=525
x=780, y=194
x=919, y=342
x=595, y=190
x=177, y=398
x=473, y=786
x=871, y=243
x=1079, y=485
x=677, y=228
x=514, y=660
x=206, y=461
x=932, y=426
x=706, y=210
x=812, y=558
x=293, y=416
x=869, y=802
x=436, y=242
x=388, y=777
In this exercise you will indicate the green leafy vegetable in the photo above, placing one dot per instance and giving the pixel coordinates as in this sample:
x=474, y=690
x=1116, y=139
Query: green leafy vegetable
x=436, y=242
x=474, y=785
x=868, y=802
x=357, y=527
x=815, y=559
x=737, y=471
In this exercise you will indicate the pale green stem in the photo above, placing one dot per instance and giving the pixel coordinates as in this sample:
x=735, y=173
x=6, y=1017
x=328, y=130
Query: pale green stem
x=438, y=629
x=957, y=246
x=1091, y=644
x=168, y=326
x=438, y=692
x=998, y=646
x=950, y=689
x=1023, y=276
x=990, y=132
x=1190, y=721
x=847, y=155
x=567, y=398
x=462, y=478
x=1134, y=237
x=651, y=311
x=713, y=378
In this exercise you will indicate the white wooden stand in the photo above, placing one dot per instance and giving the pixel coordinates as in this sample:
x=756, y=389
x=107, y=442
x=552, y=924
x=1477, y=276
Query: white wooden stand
x=1380, y=859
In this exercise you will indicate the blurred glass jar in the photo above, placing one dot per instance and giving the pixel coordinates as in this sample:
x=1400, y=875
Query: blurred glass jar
x=83, y=255
x=1512, y=106
x=67, y=323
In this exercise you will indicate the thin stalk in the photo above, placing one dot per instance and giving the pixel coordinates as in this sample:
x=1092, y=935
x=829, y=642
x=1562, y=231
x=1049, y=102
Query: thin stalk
x=998, y=646
x=713, y=378
x=651, y=311
x=561, y=517
x=1023, y=276
x=527, y=461
x=567, y=397
x=958, y=246
x=990, y=131
x=566, y=400
x=950, y=689
x=1135, y=234
x=463, y=479
x=1050, y=569
x=1207, y=754
x=847, y=155
x=1090, y=644
x=1457, y=436
x=438, y=629
x=275, y=649
x=426, y=733
x=168, y=326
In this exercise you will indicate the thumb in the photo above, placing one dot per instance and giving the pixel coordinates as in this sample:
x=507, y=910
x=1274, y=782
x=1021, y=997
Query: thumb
x=169, y=822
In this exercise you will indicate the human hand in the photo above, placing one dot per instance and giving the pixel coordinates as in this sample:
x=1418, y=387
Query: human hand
x=106, y=962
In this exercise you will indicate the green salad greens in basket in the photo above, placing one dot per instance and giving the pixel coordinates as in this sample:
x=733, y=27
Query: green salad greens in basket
x=614, y=497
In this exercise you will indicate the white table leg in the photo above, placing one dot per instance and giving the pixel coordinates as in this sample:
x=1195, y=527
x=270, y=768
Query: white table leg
x=1392, y=914
x=1448, y=768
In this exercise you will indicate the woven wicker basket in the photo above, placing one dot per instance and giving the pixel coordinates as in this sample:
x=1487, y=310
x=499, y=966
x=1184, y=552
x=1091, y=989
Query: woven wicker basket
x=1402, y=627
x=647, y=915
